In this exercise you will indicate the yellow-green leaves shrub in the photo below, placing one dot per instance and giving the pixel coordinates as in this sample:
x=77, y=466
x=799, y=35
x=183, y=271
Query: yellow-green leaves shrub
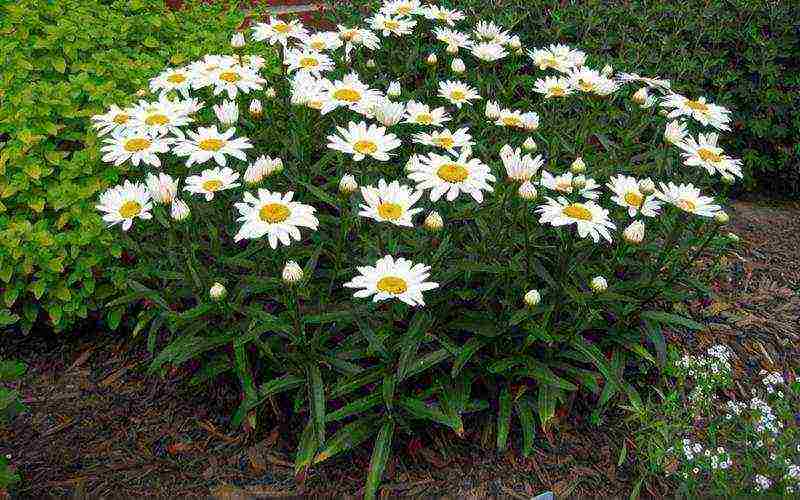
x=63, y=62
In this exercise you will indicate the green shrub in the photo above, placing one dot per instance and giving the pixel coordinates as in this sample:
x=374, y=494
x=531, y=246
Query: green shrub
x=10, y=406
x=527, y=311
x=63, y=62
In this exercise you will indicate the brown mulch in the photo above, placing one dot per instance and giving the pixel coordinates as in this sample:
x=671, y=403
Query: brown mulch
x=98, y=425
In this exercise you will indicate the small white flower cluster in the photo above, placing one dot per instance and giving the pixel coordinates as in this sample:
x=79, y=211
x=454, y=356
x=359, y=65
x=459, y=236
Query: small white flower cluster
x=707, y=458
x=708, y=372
x=766, y=421
x=771, y=380
x=762, y=483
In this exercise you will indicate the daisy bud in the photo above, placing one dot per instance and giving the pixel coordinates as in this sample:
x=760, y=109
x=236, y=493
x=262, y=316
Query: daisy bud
x=179, y=210
x=433, y=222
x=634, y=233
x=466, y=150
x=255, y=108
x=598, y=284
x=141, y=92
x=728, y=178
x=514, y=42
x=411, y=163
x=579, y=182
x=721, y=218
x=675, y=132
x=527, y=191
x=492, y=110
x=647, y=186
x=237, y=40
x=452, y=49
x=519, y=52
x=227, y=112
x=348, y=184
x=458, y=65
x=733, y=237
x=254, y=173
x=162, y=187
x=217, y=291
x=640, y=96
x=292, y=273
x=270, y=92
x=432, y=59
x=532, y=298
x=607, y=70
x=663, y=112
x=578, y=166
x=529, y=144
x=394, y=89
x=371, y=63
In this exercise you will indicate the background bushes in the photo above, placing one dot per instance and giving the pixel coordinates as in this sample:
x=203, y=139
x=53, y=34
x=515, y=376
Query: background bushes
x=63, y=62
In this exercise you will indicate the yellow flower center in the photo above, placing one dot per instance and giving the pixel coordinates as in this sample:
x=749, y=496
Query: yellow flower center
x=390, y=211
x=577, y=211
x=281, y=27
x=696, y=106
x=211, y=144
x=452, y=172
x=137, y=144
x=176, y=78
x=392, y=284
x=458, y=95
x=130, y=209
x=274, y=213
x=317, y=45
x=708, y=155
x=349, y=95
x=156, y=119
x=424, y=118
x=121, y=119
x=365, y=147
x=308, y=62
x=348, y=35
x=229, y=76
x=633, y=199
x=315, y=104
x=445, y=142
x=442, y=15
x=212, y=185
x=585, y=85
x=404, y=10
x=557, y=91
x=687, y=205
x=512, y=121
x=390, y=24
x=549, y=62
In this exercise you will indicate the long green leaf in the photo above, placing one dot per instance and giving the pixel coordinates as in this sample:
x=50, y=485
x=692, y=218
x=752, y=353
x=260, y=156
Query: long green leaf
x=503, y=419
x=380, y=454
x=347, y=438
x=525, y=413
x=316, y=395
x=671, y=319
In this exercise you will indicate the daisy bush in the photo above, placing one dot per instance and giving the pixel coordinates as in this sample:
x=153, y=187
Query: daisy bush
x=424, y=216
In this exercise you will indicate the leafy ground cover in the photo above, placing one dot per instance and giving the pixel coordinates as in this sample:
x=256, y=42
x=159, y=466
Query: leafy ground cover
x=98, y=424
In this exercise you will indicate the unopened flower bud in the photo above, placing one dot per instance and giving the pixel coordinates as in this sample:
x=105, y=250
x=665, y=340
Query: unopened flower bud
x=640, y=96
x=733, y=237
x=433, y=222
x=527, y=191
x=647, y=186
x=292, y=273
x=598, y=284
x=607, y=70
x=458, y=65
x=532, y=298
x=217, y=291
x=728, y=178
x=452, y=49
x=255, y=108
x=579, y=182
x=348, y=184
x=721, y=218
x=529, y=144
x=578, y=166
x=432, y=59
x=162, y=187
x=492, y=110
x=270, y=92
x=141, y=92
x=237, y=40
x=179, y=210
x=371, y=63
x=634, y=233
x=515, y=43
x=394, y=89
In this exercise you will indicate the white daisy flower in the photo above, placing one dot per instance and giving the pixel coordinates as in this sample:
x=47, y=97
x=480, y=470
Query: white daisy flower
x=558, y=57
x=458, y=65
x=422, y=114
x=688, y=198
x=451, y=176
x=400, y=7
x=517, y=119
x=210, y=63
x=309, y=91
x=452, y=38
x=519, y=167
x=628, y=194
x=488, y=51
x=389, y=25
x=227, y=112
x=448, y=16
x=322, y=41
x=388, y=113
x=705, y=153
x=675, y=132
x=307, y=61
x=351, y=92
x=490, y=32
x=279, y=31
x=274, y=215
x=458, y=93
x=552, y=86
x=590, y=219
x=162, y=187
x=135, y=145
x=112, y=120
x=663, y=85
x=159, y=118
x=563, y=183
x=357, y=37
x=391, y=203
x=177, y=79
x=123, y=203
x=362, y=141
x=591, y=81
x=392, y=278
x=230, y=79
x=445, y=139
x=263, y=167
x=705, y=113
x=208, y=143
x=211, y=181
